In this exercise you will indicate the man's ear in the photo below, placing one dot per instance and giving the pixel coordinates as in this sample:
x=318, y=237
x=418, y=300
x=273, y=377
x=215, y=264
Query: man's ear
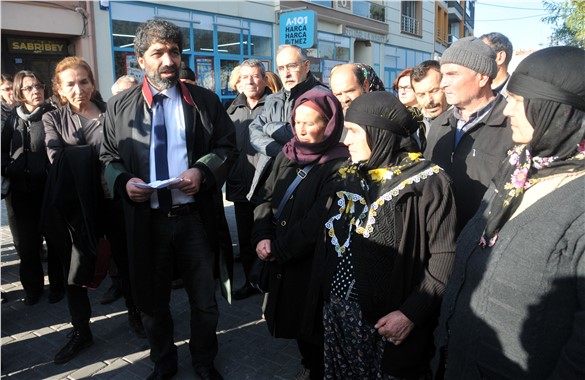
x=140, y=62
x=500, y=58
x=483, y=79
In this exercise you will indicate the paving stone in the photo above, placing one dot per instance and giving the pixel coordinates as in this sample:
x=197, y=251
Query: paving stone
x=32, y=335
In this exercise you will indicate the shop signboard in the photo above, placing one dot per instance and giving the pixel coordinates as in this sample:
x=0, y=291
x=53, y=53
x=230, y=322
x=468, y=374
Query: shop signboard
x=298, y=28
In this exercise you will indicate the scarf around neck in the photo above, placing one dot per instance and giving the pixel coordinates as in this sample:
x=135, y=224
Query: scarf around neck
x=330, y=147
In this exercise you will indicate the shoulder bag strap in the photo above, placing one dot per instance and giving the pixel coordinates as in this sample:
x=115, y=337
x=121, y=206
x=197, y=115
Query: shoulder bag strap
x=301, y=174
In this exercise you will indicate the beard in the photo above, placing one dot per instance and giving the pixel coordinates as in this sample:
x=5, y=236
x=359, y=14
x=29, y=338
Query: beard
x=160, y=83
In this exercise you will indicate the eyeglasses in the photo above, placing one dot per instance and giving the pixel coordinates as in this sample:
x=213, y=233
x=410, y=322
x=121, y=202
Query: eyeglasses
x=290, y=67
x=404, y=88
x=37, y=86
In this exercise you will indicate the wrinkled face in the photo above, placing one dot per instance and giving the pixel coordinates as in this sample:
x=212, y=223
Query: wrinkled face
x=522, y=130
x=291, y=68
x=460, y=84
x=429, y=95
x=309, y=125
x=405, y=92
x=161, y=63
x=6, y=92
x=75, y=86
x=345, y=86
x=252, y=82
x=33, y=93
x=356, y=140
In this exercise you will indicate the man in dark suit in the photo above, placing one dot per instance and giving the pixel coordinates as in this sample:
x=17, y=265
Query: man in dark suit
x=186, y=135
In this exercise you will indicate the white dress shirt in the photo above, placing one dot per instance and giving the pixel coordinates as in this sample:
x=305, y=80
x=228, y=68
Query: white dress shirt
x=176, y=144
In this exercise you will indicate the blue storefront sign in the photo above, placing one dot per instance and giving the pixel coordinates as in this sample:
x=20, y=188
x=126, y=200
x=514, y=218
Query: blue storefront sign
x=298, y=28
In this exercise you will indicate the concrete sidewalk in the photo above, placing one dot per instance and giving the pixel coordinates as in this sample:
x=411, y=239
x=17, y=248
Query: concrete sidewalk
x=32, y=335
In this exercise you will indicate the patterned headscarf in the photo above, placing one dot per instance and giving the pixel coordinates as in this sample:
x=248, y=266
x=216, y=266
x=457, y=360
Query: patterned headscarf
x=330, y=147
x=374, y=82
x=553, y=86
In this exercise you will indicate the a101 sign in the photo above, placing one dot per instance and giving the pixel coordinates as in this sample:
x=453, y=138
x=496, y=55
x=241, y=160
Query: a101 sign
x=298, y=28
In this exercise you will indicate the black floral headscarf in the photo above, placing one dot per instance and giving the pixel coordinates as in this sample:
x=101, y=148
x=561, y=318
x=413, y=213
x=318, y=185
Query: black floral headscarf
x=374, y=81
x=552, y=83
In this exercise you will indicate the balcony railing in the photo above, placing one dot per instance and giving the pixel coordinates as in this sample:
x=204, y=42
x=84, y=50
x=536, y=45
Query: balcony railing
x=410, y=25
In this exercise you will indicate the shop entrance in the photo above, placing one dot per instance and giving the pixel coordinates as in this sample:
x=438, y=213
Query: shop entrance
x=39, y=55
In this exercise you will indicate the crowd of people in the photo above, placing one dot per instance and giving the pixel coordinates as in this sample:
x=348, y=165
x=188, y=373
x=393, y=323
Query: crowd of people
x=437, y=232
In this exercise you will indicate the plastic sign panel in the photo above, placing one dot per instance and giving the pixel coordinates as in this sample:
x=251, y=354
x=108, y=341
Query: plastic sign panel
x=298, y=28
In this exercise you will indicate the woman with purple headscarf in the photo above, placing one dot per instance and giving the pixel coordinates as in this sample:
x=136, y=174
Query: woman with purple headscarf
x=289, y=242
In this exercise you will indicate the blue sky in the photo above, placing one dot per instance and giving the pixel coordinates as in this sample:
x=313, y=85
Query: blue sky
x=518, y=20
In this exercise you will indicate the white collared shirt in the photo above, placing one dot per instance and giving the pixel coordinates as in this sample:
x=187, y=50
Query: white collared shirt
x=176, y=144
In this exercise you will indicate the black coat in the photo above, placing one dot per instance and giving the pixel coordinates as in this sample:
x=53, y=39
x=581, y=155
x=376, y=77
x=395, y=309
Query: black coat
x=293, y=243
x=477, y=157
x=240, y=178
x=211, y=145
x=411, y=274
x=24, y=156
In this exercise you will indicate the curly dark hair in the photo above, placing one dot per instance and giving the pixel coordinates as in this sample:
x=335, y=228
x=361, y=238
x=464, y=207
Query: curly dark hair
x=156, y=30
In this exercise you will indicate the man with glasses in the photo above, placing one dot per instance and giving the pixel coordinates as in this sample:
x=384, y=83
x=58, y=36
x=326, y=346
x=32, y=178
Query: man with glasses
x=272, y=129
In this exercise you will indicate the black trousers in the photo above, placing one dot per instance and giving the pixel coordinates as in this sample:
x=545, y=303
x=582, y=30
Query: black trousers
x=184, y=240
x=112, y=219
x=244, y=212
x=27, y=215
x=77, y=299
x=312, y=358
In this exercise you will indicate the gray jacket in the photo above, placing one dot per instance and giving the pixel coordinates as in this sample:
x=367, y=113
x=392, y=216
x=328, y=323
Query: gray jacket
x=271, y=129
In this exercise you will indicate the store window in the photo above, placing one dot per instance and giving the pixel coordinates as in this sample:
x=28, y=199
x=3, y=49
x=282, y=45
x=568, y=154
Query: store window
x=203, y=33
x=333, y=47
x=328, y=4
x=370, y=9
x=212, y=44
x=228, y=36
x=260, y=39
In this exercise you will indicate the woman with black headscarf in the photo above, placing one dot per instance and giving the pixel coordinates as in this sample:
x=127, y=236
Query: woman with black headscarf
x=515, y=306
x=389, y=248
x=289, y=242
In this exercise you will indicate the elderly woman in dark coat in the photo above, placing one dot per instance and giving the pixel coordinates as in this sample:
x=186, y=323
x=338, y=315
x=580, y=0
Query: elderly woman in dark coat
x=515, y=305
x=288, y=243
x=389, y=248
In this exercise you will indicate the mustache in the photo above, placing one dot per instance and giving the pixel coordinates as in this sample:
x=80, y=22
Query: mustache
x=168, y=68
x=431, y=105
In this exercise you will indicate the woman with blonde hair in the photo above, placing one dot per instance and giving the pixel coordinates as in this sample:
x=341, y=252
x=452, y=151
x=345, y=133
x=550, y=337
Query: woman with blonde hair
x=273, y=82
x=76, y=207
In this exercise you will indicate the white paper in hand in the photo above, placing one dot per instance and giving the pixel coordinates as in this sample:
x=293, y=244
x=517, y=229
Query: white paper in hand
x=158, y=184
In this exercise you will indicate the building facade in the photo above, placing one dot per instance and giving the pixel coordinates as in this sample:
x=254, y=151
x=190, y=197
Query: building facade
x=388, y=35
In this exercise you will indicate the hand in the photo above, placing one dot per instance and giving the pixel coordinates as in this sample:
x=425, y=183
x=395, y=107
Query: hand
x=191, y=181
x=135, y=193
x=395, y=327
x=263, y=249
